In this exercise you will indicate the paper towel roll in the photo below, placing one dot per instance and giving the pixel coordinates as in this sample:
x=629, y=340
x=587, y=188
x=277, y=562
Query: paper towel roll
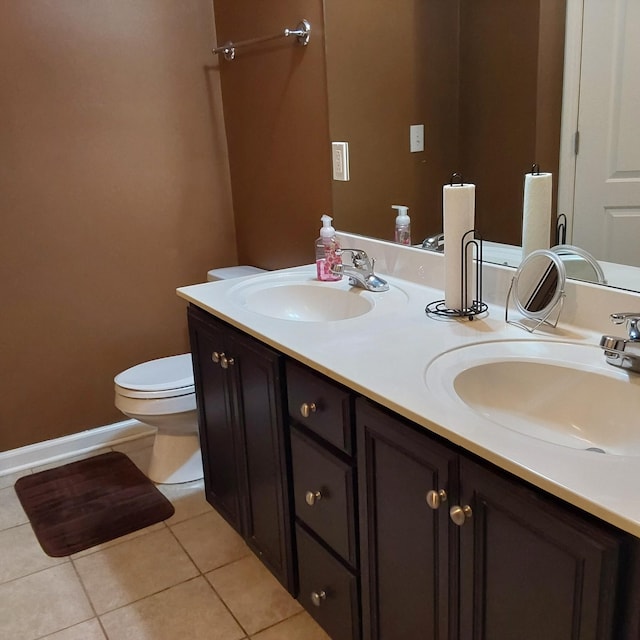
x=458, y=215
x=536, y=212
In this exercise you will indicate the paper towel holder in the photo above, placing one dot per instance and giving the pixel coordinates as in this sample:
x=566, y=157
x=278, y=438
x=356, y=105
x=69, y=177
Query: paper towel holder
x=471, y=243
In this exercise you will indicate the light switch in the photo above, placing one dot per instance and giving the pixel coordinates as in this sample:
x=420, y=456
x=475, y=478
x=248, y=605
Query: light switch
x=416, y=138
x=340, y=153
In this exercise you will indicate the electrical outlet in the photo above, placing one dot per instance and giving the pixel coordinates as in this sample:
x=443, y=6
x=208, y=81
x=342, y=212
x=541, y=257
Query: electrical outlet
x=416, y=138
x=340, y=154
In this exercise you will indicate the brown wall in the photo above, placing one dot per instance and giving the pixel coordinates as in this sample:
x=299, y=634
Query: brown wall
x=386, y=73
x=114, y=190
x=483, y=76
x=275, y=104
x=512, y=54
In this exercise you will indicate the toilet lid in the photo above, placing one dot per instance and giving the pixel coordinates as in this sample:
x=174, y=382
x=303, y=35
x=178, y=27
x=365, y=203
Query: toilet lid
x=164, y=374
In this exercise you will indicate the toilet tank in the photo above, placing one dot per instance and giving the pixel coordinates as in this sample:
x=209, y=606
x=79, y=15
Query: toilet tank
x=226, y=273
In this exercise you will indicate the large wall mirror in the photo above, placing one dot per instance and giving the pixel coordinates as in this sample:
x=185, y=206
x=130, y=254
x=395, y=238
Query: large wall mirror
x=495, y=84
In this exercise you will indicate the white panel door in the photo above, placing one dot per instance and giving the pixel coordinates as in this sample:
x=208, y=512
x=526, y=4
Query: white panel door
x=607, y=189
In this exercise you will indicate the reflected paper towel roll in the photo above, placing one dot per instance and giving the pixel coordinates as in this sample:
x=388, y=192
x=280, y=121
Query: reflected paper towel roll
x=458, y=216
x=536, y=212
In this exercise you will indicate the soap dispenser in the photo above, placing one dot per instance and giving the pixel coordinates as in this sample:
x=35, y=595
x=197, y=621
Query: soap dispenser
x=403, y=225
x=327, y=251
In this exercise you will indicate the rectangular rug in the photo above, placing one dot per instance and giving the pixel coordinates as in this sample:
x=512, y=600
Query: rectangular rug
x=85, y=503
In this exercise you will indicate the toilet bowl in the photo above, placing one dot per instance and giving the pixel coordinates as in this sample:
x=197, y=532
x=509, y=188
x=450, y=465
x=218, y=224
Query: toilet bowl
x=161, y=393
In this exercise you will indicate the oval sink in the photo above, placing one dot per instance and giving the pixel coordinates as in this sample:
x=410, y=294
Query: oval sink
x=291, y=296
x=563, y=393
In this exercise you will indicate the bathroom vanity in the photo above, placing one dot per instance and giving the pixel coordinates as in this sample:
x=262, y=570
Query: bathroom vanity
x=388, y=514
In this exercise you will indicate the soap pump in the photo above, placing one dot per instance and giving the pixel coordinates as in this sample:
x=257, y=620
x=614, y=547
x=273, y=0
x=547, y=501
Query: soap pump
x=403, y=225
x=327, y=251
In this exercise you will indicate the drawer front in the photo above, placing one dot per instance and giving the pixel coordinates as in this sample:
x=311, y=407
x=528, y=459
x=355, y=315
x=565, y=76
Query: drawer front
x=320, y=406
x=328, y=591
x=324, y=494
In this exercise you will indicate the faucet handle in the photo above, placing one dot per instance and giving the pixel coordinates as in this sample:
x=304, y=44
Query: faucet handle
x=631, y=319
x=358, y=256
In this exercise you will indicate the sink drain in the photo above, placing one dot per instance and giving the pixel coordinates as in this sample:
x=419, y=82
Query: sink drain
x=595, y=449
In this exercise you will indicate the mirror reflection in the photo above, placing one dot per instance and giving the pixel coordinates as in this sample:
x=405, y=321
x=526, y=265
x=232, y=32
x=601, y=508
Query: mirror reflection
x=537, y=289
x=485, y=79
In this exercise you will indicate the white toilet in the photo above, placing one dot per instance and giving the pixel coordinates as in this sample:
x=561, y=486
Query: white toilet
x=161, y=393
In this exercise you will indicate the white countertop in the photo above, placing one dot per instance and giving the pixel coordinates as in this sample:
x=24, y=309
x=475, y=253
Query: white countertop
x=384, y=354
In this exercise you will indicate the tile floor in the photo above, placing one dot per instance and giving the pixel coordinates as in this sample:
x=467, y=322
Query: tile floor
x=191, y=577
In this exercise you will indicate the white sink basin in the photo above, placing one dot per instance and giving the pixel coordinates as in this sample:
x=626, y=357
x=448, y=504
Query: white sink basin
x=560, y=392
x=302, y=298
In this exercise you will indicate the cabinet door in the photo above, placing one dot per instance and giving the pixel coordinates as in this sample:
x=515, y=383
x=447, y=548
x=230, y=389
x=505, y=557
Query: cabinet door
x=267, y=514
x=405, y=547
x=217, y=416
x=530, y=568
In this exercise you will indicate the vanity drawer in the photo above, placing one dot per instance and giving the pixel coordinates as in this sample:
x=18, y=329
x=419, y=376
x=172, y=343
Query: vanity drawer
x=320, y=405
x=324, y=494
x=328, y=591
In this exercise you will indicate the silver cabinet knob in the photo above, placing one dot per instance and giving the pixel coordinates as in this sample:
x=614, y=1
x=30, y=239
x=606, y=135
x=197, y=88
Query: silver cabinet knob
x=225, y=362
x=215, y=357
x=318, y=597
x=311, y=497
x=459, y=515
x=307, y=408
x=435, y=498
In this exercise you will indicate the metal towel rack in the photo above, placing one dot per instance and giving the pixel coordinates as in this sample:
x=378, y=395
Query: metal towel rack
x=301, y=32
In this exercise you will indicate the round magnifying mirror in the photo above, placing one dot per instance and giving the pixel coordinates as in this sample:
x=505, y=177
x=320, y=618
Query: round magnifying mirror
x=539, y=284
x=580, y=264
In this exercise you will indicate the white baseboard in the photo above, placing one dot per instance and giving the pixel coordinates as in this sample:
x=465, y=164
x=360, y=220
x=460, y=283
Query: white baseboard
x=40, y=453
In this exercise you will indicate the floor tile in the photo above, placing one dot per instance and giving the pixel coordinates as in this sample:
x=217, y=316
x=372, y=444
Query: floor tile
x=89, y=630
x=187, y=498
x=300, y=627
x=210, y=541
x=22, y=554
x=11, y=512
x=112, y=543
x=42, y=603
x=253, y=595
x=190, y=610
x=8, y=480
x=134, y=569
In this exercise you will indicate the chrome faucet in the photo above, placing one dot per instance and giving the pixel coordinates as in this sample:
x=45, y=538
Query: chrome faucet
x=360, y=273
x=624, y=352
x=434, y=243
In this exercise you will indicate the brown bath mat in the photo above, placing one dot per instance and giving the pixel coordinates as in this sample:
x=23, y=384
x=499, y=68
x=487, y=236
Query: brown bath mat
x=89, y=502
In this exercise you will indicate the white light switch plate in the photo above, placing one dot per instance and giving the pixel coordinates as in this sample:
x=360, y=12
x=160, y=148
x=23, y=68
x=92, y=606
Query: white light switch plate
x=416, y=138
x=340, y=155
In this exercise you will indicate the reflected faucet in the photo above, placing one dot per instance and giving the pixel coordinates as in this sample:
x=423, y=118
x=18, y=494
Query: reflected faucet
x=434, y=243
x=624, y=352
x=360, y=273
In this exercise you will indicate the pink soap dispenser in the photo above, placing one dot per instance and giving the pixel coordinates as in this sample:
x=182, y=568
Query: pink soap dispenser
x=327, y=251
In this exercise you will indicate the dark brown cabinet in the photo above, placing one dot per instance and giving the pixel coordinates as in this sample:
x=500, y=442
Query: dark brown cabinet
x=322, y=426
x=530, y=568
x=390, y=532
x=241, y=409
x=451, y=549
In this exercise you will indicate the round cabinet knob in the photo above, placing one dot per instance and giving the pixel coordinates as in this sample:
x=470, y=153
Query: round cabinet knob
x=435, y=498
x=307, y=408
x=459, y=515
x=311, y=497
x=225, y=362
x=318, y=597
x=215, y=357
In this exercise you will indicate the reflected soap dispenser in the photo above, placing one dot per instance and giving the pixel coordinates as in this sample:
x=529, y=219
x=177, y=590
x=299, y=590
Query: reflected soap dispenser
x=327, y=251
x=403, y=225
